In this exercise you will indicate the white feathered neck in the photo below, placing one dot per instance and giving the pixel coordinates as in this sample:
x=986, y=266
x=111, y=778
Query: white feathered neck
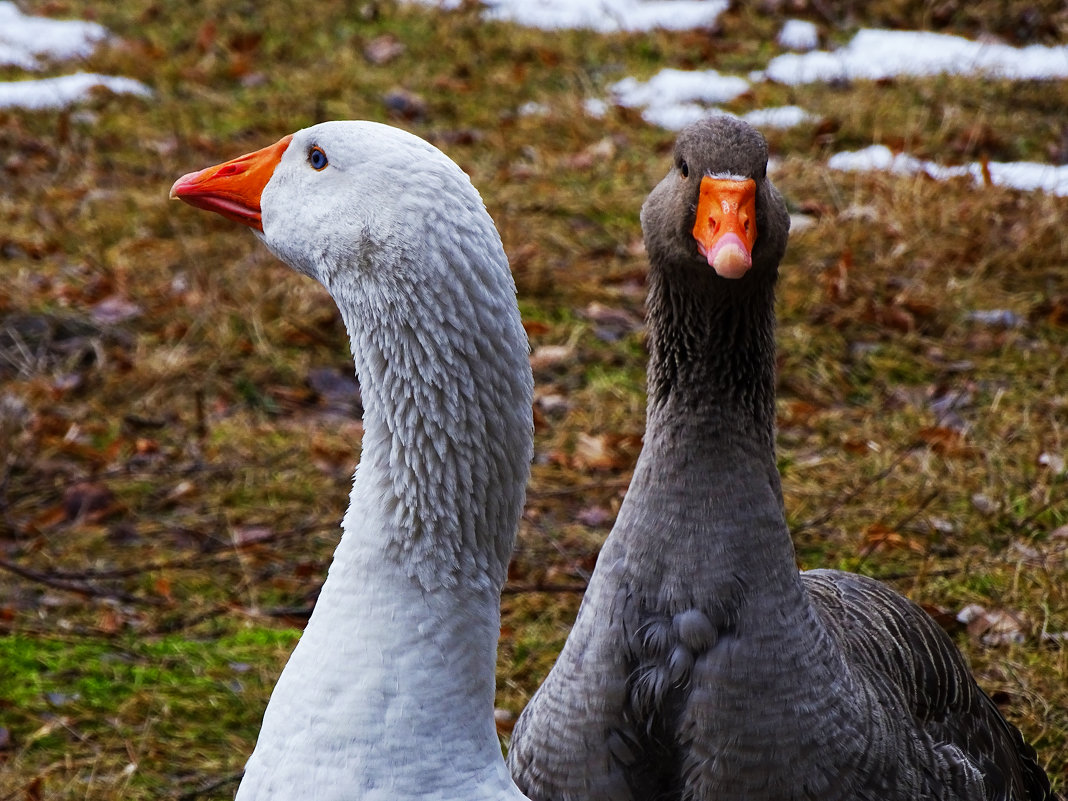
x=389, y=693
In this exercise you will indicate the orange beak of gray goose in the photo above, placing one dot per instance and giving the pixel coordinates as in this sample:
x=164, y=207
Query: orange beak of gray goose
x=725, y=229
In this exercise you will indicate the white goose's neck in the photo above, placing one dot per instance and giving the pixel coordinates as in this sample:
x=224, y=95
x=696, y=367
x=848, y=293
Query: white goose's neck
x=389, y=694
x=446, y=445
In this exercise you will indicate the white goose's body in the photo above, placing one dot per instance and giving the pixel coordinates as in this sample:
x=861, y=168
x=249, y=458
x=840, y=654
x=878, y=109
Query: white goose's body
x=378, y=694
x=389, y=693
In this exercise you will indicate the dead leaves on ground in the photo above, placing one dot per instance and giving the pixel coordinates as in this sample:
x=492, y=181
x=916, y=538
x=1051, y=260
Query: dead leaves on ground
x=603, y=452
x=947, y=442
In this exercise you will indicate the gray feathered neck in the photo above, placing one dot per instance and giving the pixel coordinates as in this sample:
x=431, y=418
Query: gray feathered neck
x=712, y=339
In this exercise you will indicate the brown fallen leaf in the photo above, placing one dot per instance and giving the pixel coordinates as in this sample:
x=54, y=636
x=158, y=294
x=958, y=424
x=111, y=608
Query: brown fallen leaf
x=303, y=570
x=859, y=446
x=81, y=447
x=289, y=398
x=994, y=626
x=109, y=622
x=145, y=445
x=814, y=208
x=45, y=519
x=534, y=327
x=878, y=536
x=504, y=720
x=893, y=317
x=89, y=501
x=1053, y=311
x=920, y=306
x=545, y=356
x=604, y=451
x=332, y=460
x=836, y=279
x=798, y=413
x=34, y=791
x=162, y=586
x=541, y=424
x=206, y=36
x=945, y=441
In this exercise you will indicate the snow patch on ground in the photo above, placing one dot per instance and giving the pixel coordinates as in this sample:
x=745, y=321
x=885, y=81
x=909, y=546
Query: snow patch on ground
x=879, y=54
x=671, y=86
x=673, y=99
x=30, y=42
x=595, y=107
x=27, y=42
x=52, y=93
x=1022, y=175
x=605, y=16
x=799, y=34
x=778, y=117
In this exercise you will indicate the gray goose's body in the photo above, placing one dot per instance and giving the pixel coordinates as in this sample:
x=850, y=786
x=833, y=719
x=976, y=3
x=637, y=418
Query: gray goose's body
x=702, y=665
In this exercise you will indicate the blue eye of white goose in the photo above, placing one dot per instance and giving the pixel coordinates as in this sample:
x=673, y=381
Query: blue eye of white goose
x=317, y=158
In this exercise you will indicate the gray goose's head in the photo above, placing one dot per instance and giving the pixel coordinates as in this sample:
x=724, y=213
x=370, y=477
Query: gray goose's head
x=716, y=217
x=715, y=229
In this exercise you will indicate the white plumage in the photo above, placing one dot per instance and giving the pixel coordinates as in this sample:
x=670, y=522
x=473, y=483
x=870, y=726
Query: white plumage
x=389, y=693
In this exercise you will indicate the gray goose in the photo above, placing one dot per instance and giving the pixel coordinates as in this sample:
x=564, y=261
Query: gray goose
x=702, y=664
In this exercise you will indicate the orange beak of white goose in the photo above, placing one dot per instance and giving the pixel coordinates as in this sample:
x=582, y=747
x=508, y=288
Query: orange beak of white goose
x=233, y=188
x=725, y=229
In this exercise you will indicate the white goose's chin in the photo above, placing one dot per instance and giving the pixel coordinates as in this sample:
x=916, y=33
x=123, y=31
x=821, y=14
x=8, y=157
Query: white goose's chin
x=293, y=254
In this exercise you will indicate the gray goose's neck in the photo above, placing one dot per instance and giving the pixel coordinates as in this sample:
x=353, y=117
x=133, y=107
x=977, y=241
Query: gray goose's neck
x=702, y=528
x=712, y=360
x=707, y=476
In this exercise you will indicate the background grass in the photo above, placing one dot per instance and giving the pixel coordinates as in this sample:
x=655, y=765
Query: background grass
x=177, y=435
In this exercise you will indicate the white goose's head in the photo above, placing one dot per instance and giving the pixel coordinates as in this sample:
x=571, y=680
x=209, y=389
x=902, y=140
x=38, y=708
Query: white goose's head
x=400, y=238
x=353, y=202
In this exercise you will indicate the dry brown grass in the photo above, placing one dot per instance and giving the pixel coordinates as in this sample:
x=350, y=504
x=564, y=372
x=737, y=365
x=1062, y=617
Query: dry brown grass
x=171, y=486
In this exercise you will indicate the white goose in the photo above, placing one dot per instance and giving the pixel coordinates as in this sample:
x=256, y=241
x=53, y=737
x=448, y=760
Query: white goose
x=389, y=693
